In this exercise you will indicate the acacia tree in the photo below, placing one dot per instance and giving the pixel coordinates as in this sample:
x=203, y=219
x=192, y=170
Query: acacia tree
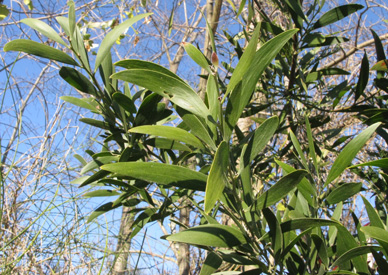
x=233, y=169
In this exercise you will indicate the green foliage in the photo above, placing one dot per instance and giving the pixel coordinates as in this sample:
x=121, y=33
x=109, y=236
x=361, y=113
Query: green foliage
x=284, y=199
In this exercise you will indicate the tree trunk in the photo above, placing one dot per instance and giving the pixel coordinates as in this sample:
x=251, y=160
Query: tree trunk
x=184, y=249
x=120, y=266
x=213, y=9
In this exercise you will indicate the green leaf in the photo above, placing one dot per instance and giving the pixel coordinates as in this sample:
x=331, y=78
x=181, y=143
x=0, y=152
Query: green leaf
x=3, y=12
x=241, y=8
x=212, y=94
x=381, y=163
x=167, y=144
x=337, y=213
x=72, y=19
x=216, y=235
x=363, y=78
x=44, y=29
x=163, y=82
x=142, y=220
x=197, y=56
x=346, y=242
x=217, y=178
x=245, y=61
x=293, y=242
x=311, y=145
x=125, y=102
x=80, y=102
x=38, y=49
x=280, y=189
x=381, y=66
x=343, y=192
x=354, y=252
x=78, y=80
x=95, y=177
x=376, y=233
x=321, y=248
x=80, y=159
x=106, y=69
x=304, y=223
x=304, y=186
x=96, y=123
x=349, y=152
x=197, y=127
x=379, y=234
x=172, y=133
x=212, y=263
x=373, y=216
x=64, y=23
x=160, y=173
x=112, y=36
x=336, y=14
x=318, y=40
x=101, y=210
x=261, y=136
x=240, y=96
x=297, y=147
x=275, y=232
x=295, y=6
x=101, y=193
x=379, y=46
x=170, y=21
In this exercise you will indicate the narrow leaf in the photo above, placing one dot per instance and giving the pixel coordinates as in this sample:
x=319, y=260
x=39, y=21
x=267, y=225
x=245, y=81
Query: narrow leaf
x=321, y=248
x=280, y=189
x=212, y=263
x=336, y=14
x=379, y=46
x=78, y=80
x=260, y=139
x=275, y=232
x=38, y=49
x=376, y=233
x=101, y=193
x=373, y=216
x=80, y=102
x=163, y=82
x=125, y=102
x=197, y=56
x=197, y=127
x=212, y=97
x=112, y=36
x=240, y=97
x=304, y=223
x=96, y=123
x=363, y=78
x=304, y=186
x=354, y=252
x=160, y=173
x=245, y=61
x=343, y=192
x=381, y=163
x=44, y=29
x=101, y=210
x=172, y=133
x=381, y=65
x=297, y=147
x=217, y=178
x=349, y=152
x=216, y=235
x=311, y=145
